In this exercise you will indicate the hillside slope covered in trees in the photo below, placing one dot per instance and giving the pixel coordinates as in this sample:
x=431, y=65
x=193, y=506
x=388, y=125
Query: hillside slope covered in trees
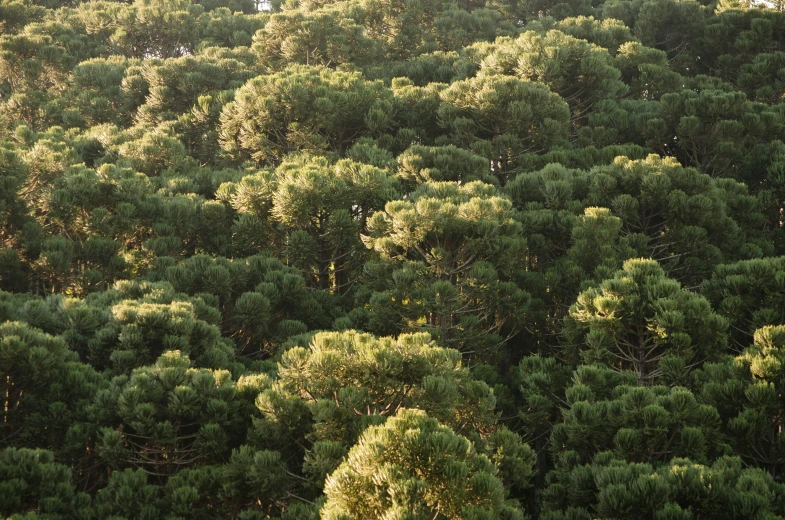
x=392, y=259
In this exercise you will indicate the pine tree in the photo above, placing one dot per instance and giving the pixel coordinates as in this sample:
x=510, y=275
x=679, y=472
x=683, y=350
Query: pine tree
x=294, y=117
x=644, y=321
x=32, y=482
x=459, y=243
x=502, y=118
x=385, y=475
x=747, y=293
x=610, y=488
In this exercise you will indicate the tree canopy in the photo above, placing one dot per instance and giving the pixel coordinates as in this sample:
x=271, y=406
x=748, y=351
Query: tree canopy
x=360, y=259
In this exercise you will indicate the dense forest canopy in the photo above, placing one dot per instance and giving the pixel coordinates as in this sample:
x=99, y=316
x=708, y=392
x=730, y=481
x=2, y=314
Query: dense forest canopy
x=392, y=259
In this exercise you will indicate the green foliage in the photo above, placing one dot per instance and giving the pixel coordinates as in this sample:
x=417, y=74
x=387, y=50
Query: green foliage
x=319, y=208
x=608, y=33
x=420, y=164
x=542, y=383
x=142, y=329
x=35, y=366
x=175, y=86
x=351, y=380
x=606, y=411
x=746, y=391
x=747, y=293
x=294, y=259
x=168, y=415
x=712, y=128
x=324, y=37
x=612, y=488
x=386, y=474
x=501, y=118
x=580, y=72
x=146, y=28
x=12, y=207
x=128, y=494
x=640, y=319
x=665, y=212
x=303, y=108
x=31, y=481
x=450, y=247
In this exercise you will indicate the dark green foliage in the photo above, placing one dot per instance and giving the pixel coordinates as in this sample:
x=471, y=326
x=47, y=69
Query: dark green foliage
x=606, y=411
x=31, y=480
x=643, y=321
x=448, y=249
x=611, y=488
x=748, y=293
x=302, y=259
x=42, y=382
x=502, y=118
x=678, y=216
x=168, y=416
x=747, y=392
